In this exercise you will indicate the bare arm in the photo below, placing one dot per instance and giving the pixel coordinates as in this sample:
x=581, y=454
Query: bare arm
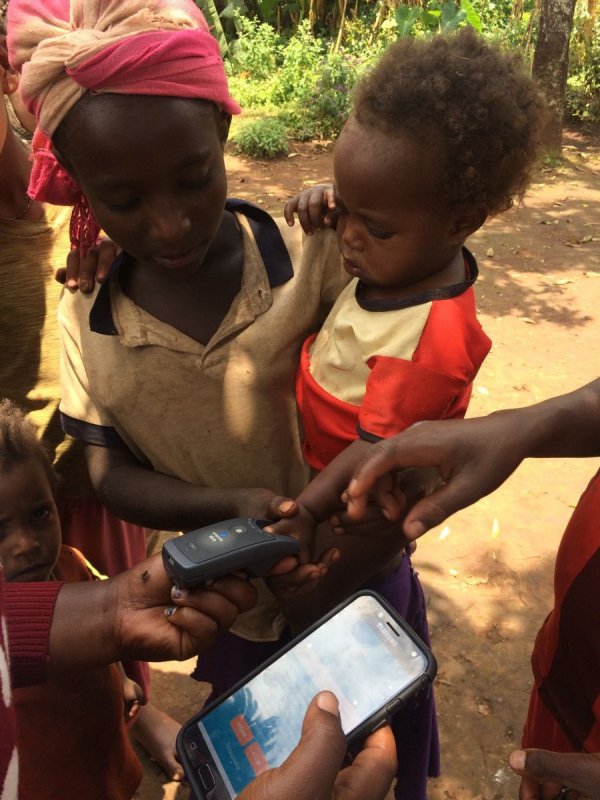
x=138, y=494
x=135, y=615
x=475, y=456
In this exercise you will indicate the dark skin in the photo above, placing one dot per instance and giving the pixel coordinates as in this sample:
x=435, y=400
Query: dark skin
x=166, y=219
x=398, y=235
x=187, y=266
x=187, y=253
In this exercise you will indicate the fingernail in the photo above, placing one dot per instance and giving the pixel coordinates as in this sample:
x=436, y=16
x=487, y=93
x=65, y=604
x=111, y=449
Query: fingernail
x=169, y=611
x=327, y=701
x=415, y=529
x=517, y=760
x=84, y=286
x=286, y=506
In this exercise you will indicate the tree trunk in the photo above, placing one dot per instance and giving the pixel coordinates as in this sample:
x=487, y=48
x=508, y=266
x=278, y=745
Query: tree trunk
x=551, y=64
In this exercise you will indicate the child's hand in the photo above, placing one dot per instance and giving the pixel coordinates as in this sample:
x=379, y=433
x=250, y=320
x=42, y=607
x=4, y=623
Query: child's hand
x=316, y=208
x=300, y=526
x=83, y=273
x=393, y=494
x=302, y=580
x=263, y=504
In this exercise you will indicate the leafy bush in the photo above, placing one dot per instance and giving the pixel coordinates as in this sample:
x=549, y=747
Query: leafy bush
x=304, y=82
x=583, y=87
x=258, y=53
x=266, y=137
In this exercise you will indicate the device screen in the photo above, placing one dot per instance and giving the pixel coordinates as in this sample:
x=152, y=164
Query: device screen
x=360, y=654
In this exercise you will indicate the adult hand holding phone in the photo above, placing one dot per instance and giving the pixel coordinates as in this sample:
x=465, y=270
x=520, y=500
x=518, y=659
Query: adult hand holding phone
x=313, y=771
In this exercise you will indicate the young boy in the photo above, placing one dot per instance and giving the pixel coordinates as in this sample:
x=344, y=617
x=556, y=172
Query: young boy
x=71, y=731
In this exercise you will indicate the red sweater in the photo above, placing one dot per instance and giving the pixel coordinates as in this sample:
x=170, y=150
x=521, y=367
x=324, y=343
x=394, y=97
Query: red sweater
x=26, y=611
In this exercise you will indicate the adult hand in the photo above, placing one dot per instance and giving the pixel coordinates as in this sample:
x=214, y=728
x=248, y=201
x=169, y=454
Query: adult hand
x=82, y=273
x=473, y=457
x=313, y=770
x=139, y=614
x=545, y=774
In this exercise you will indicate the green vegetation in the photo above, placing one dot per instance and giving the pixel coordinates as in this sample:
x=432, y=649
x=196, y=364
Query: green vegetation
x=292, y=66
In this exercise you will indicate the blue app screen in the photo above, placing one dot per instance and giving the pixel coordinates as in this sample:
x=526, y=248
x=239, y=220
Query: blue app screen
x=355, y=655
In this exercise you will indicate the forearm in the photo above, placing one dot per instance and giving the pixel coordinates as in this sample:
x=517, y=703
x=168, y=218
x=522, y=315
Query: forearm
x=362, y=559
x=138, y=494
x=83, y=631
x=159, y=501
x=564, y=426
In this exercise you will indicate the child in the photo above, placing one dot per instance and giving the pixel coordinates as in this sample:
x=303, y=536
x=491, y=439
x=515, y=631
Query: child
x=444, y=133
x=71, y=731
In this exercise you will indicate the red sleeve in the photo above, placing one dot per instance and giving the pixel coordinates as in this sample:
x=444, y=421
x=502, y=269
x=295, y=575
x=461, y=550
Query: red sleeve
x=400, y=393
x=28, y=608
x=436, y=383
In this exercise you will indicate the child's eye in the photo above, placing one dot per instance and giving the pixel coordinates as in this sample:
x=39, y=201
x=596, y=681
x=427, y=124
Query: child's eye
x=118, y=208
x=40, y=514
x=195, y=183
x=377, y=234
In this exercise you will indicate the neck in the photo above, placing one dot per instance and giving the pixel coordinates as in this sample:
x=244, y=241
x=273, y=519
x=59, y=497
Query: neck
x=454, y=272
x=15, y=169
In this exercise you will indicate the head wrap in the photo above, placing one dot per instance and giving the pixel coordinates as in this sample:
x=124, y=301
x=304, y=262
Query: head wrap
x=64, y=48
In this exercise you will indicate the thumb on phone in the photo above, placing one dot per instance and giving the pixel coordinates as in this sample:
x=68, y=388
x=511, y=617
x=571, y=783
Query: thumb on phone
x=310, y=770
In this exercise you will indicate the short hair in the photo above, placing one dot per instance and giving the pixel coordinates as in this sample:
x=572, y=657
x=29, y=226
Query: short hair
x=19, y=443
x=470, y=100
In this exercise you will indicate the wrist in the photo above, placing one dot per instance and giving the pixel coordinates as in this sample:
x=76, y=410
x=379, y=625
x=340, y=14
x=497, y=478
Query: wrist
x=85, y=626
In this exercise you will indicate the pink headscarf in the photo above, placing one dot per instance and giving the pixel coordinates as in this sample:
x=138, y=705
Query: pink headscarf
x=67, y=47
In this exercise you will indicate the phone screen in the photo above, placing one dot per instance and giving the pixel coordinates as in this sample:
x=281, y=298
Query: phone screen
x=360, y=654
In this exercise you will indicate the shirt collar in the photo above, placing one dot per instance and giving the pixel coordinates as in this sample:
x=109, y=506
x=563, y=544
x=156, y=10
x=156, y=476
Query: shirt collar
x=269, y=241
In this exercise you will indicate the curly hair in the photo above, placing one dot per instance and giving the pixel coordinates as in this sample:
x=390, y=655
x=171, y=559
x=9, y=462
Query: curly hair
x=472, y=101
x=19, y=443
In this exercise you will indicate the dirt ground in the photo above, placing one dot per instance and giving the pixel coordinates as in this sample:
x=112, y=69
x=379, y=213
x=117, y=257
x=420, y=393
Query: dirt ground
x=487, y=572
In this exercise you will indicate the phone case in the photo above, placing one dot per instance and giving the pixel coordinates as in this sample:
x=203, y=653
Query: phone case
x=356, y=737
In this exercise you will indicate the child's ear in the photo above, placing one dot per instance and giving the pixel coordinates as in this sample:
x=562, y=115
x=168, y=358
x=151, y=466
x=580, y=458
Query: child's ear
x=223, y=124
x=9, y=80
x=467, y=222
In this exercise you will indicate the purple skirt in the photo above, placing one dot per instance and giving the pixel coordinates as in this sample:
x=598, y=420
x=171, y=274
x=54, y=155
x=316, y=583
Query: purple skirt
x=415, y=726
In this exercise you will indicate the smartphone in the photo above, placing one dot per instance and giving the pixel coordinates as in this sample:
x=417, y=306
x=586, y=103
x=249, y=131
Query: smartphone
x=362, y=651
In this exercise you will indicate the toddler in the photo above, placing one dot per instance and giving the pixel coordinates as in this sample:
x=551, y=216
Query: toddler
x=71, y=731
x=444, y=133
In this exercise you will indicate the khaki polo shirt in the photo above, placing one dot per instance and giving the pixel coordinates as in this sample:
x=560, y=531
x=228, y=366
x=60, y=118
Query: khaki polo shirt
x=220, y=415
